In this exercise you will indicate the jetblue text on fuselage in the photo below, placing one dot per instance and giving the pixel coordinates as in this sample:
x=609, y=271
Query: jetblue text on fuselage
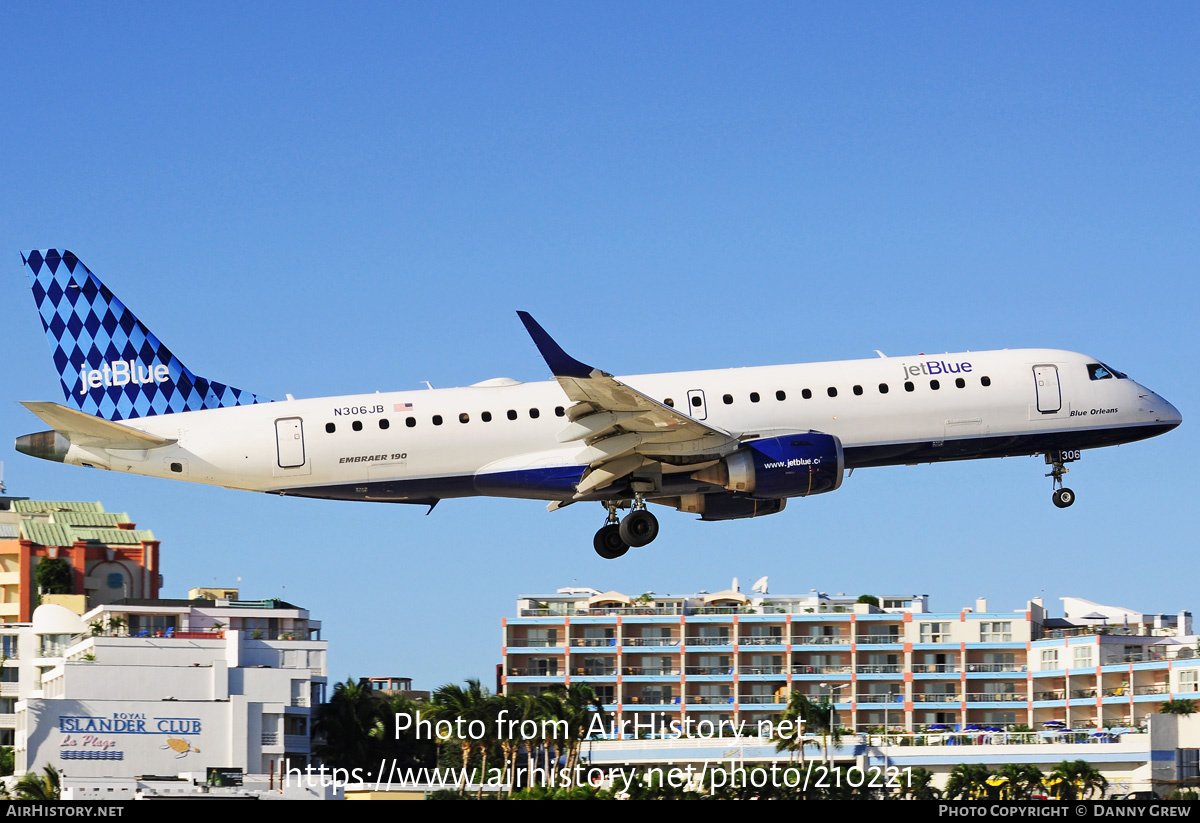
x=932, y=367
x=120, y=373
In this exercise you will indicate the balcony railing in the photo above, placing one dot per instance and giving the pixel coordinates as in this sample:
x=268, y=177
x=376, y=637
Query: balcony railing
x=650, y=641
x=593, y=642
x=995, y=697
x=709, y=699
x=934, y=668
x=821, y=640
x=709, y=641
x=534, y=671
x=1053, y=694
x=1160, y=688
x=529, y=642
x=879, y=698
x=880, y=668
x=596, y=671
x=879, y=638
x=709, y=670
x=994, y=667
x=760, y=699
x=800, y=668
x=760, y=669
x=650, y=671
x=761, y=640
x=936, y=697
x=270, y=739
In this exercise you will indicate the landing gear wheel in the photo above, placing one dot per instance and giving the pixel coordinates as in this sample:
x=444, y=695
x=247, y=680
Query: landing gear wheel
x=1063, y=498
x=608, y=543
x=639, y=528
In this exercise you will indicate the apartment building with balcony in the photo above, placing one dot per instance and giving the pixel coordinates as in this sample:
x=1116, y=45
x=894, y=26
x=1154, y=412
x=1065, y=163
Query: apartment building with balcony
x=106, y=556
x=731, y=656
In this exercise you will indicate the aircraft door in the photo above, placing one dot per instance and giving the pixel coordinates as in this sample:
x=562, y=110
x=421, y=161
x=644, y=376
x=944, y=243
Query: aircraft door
x=1049, y=393
x=289, y=441
x=696, y=404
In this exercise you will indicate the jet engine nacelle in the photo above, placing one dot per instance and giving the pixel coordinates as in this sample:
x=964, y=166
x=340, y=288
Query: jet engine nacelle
x=795, y=465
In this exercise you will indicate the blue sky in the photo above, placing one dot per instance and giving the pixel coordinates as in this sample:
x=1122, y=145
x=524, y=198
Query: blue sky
x=322, y=199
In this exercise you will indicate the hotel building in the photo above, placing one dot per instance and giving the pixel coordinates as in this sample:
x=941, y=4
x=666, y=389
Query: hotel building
x=733, y=656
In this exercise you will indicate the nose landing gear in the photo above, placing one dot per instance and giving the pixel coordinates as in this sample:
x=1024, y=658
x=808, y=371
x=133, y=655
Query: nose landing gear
x=1063, y=497
x=615, y=538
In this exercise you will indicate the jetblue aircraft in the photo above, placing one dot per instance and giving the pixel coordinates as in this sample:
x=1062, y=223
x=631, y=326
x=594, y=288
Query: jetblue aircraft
x=723, y=444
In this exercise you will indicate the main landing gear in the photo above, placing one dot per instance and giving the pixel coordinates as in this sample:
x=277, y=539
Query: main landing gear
x=638, y=528
x=1063, y=497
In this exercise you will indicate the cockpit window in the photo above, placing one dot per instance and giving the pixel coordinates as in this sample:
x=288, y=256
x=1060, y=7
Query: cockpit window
x=1099, y=371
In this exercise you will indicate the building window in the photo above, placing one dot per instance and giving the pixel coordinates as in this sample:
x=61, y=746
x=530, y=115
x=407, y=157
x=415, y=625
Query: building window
x=1188, y=682
x=8, y=646
x=1049, y=659
x=995, y=632
x=935, y=632
x=1083, y=657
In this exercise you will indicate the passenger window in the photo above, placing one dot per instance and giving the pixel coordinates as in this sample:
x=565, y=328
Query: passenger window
x=329, y=427
x=858, y=391
x=534, y=413
x=753, y=397
x=559, y=411
x=806, y=394
x=410, y=421
x=985, y=380
x=696, y=401
x=383, y=423
x=908, y=386
x=486, y=417
x=958, y=381
x=935, y=385
x=356, y=425
x=669, y=402
x=883, y=388
x=727, y=399
x=780, y=396
x=437, y=420
x=832, y=391
x=464, y=418
x=512, y=414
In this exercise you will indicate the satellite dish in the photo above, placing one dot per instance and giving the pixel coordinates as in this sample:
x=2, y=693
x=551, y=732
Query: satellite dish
x=760, y=585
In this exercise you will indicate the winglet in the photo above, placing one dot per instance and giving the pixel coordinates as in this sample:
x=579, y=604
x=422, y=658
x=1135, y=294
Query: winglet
x=561, y=364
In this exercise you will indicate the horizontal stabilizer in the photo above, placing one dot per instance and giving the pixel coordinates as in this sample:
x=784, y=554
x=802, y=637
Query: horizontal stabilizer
x=84, y=429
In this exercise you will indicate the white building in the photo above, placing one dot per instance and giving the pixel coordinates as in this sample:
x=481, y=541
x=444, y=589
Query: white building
x=185, y=689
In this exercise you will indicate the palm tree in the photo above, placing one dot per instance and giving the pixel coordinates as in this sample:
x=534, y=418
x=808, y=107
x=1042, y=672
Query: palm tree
x=918, y=785
x=1180, y=706
x=580, y=705
x=346, y=724
x=1073, y=779
x=42, y=787
x=801, y=713
x=968, y=781
x=1021, y=779
x=452, y=702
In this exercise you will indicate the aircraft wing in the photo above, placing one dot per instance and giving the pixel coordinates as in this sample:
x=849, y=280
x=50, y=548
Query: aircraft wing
x=621, y=428
x=84, y=429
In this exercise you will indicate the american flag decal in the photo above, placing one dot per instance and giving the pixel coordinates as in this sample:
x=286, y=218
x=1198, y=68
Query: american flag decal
x=402, y=407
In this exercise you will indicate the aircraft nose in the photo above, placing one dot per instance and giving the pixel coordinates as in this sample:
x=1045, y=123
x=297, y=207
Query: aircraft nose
x=1163, y=411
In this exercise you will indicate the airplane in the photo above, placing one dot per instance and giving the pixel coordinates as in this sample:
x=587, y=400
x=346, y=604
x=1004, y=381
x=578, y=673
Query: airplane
x=725, y=444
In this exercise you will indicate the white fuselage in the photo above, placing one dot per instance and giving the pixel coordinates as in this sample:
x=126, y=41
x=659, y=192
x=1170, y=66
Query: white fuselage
x=1020, y=401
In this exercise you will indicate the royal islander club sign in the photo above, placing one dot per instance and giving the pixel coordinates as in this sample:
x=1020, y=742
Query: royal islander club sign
x=108, y=737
